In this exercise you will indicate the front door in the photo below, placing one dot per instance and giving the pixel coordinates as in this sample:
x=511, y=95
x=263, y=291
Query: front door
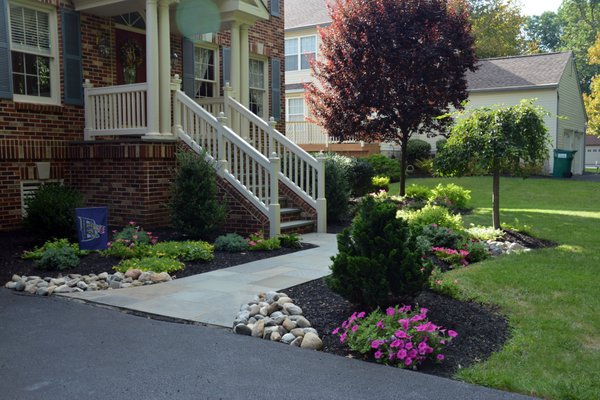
x=131, y=57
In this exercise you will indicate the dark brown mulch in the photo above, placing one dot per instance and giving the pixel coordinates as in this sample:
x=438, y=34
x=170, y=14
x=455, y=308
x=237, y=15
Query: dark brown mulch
x=13, y=244
x=527, y=241
x=481, y=330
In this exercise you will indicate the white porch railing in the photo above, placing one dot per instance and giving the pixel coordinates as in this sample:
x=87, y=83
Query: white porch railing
x=304, y=132
x=300, y=171
x=214, y=105
x=238, y=162
x=115, y=110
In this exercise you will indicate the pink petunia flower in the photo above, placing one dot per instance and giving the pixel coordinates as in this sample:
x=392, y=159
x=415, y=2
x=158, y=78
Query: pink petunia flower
x=375, y=344
x=408, y=346
x=354, y=328
x=335, y=331
x=440, y=357
x=400, y=334
x=390, y=311
x=380, y=324
x=452, y=333
x=361, y=314
x=343, y=337
x=378, y=354
x=413, y=353
x=408, y=361
x=402, y=354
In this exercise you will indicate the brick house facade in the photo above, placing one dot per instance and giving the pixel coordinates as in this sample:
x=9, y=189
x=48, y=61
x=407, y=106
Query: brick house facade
x=130, y=175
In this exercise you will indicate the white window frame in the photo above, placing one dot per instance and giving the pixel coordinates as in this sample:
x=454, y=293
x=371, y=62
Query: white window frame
x=288, y=108
x=299, y=54
x=216, y=61
x=54, y=98
x=265, y=89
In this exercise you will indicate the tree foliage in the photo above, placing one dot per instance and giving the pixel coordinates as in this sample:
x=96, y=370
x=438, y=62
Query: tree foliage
x=497, y=27
x=581, y=20
x=510, y=138
x=592, y=101
x=390, y=67
x=544, y=31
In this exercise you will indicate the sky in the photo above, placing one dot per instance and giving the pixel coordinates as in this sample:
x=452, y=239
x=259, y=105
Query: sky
x=537, y=7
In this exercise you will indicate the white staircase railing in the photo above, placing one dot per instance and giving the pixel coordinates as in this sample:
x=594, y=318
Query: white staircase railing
x=304, y=132
x=238, y=162
x=115, y=110
x=301, y=172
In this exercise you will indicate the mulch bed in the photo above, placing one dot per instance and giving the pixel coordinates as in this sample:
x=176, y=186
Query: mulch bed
x=13, y=244
x=482, y=330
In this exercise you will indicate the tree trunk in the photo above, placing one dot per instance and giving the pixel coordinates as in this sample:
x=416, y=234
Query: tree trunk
x=496, y=199
x=403, y=146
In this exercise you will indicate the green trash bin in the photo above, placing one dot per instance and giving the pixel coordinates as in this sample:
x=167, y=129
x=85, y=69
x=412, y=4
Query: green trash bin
x=562, y=163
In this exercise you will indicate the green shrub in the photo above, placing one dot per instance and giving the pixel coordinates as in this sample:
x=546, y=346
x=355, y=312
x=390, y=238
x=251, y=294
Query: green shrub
x=450, y=196
x=478, y=251
x=418, y=192
x=425, y=166
x=417, y=149
x=58, y=259
x=439, y=283
x=337, y=189
x=195, y=208
x=485, y=232
x=257, y=242
x=187, y=250
x=133, y=233
x=51, y=210
x=418, y=219
x=232, y=243
x=517, y=226
x=155, y=264
x=360, y=172
x=124, y=250
x=385, y=166
x=439, y=236
x=376, y=262
x=38, y=252
x=381, y=183
x=439, y=145
x=290, y=240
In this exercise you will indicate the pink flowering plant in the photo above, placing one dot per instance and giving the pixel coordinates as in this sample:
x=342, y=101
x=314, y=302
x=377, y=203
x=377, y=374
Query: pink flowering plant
x=257, y=242
x=455, y=258
x=131, y=241
x=400, y=336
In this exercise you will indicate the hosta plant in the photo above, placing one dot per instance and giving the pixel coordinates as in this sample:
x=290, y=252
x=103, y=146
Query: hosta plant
x=401, y=336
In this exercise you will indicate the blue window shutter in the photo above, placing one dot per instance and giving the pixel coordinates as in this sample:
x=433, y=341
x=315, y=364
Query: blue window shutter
x=276, y=88
x=188, y=67
x=226, y=65
x=6, y=90
x=73, y=73
x=275, y=8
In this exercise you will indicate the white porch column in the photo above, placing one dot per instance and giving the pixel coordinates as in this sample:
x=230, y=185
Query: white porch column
x=164, y=48
x=235, y=59
x=244, y=66
x=153, y=93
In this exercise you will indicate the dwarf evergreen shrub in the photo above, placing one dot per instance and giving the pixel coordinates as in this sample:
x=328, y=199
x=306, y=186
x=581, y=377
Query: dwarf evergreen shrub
x=51, y=210
x=376, y=261
x=195, y=208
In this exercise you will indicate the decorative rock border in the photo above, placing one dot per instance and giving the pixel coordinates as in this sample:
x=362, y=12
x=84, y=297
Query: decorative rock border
x=498, y=248
x=80, y=283
x=273, y=316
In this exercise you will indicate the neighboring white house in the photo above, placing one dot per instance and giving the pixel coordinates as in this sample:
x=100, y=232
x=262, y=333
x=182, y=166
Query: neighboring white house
x=592, y=150
x=550, y=78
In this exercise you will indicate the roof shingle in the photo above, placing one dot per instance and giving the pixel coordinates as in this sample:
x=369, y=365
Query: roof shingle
x=305, y=13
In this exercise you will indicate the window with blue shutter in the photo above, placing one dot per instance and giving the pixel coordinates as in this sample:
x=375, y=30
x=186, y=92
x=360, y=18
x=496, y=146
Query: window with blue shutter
x=188, y=67
x=73, y=72
x=6, y=90
x=275, y=8
x=276, y=88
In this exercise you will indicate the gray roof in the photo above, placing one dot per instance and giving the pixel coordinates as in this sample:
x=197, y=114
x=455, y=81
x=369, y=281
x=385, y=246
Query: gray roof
x=519, y=72
x=305, y=13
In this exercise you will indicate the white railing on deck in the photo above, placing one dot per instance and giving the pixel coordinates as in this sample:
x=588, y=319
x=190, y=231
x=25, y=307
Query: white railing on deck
x=238, y=162
x=214, y=105
x=300, y=171
x=304, y=132
x=115, y=110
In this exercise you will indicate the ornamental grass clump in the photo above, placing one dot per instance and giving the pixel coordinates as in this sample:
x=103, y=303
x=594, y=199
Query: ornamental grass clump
x=401, y=336
x=377, y=261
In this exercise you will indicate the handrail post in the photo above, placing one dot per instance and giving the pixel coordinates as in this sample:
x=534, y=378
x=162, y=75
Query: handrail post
x=321, y=200
x=272, y=124
x=221, y=161
x=88, y=109
x=227, y=94
x=274, y=207
x=175, y=87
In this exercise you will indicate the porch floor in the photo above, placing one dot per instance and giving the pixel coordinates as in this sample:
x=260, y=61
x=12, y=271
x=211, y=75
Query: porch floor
x=215, y=297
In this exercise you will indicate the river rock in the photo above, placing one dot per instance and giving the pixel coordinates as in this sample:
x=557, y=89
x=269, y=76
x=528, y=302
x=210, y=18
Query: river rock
x=284, y=300
x=242, y=329
x=287, y=338
x=292, y=309
x=133, y=273
x=303, y=323
x=311, y=341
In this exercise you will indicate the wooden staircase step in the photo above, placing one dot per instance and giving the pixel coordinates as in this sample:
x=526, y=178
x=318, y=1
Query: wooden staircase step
x=290, y=210
x=299, y=226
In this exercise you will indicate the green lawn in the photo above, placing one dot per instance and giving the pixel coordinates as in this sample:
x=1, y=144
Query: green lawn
x=551, y=296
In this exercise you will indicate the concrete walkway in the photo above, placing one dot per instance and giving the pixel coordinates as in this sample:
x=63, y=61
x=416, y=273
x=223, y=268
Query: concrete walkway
x=215, y=297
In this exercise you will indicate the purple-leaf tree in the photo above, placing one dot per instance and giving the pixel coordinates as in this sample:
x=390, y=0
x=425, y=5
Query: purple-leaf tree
x=389, y=68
